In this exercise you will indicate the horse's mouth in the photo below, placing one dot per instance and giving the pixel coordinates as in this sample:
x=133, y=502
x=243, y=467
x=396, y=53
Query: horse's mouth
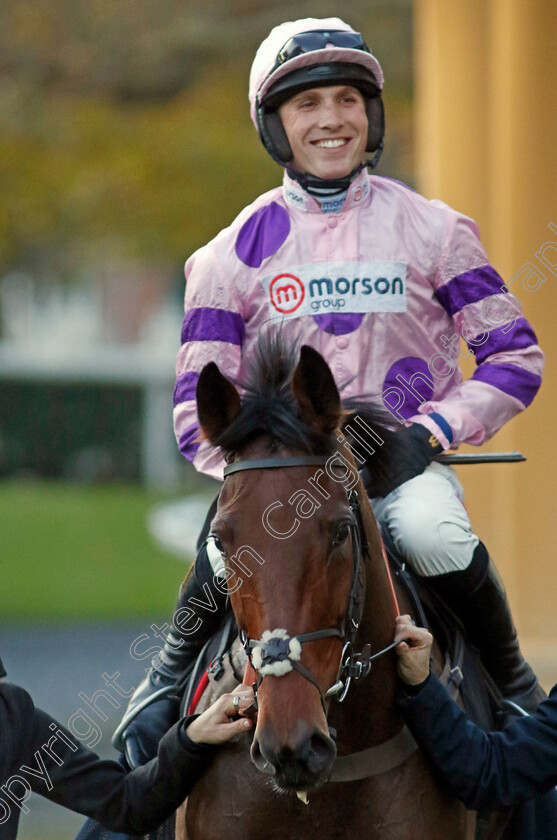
x=294, y=780
x=296, y=770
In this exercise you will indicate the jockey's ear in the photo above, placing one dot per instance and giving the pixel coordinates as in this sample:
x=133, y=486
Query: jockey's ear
x=218, y=402
x=316, y=392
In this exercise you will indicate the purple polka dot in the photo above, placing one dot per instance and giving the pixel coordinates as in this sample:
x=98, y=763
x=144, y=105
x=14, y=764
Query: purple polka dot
x=407, y=385
x=339, y=324
x=262, y=234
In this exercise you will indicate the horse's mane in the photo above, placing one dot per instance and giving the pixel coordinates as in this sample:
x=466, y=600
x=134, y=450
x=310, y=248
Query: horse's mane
x=270, y=410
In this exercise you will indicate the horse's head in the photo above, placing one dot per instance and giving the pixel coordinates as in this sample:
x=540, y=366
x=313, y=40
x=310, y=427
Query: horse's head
x=286, y=530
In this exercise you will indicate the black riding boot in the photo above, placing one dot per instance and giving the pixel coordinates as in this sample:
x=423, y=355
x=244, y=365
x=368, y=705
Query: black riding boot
x=154, y=706
x=477, y=597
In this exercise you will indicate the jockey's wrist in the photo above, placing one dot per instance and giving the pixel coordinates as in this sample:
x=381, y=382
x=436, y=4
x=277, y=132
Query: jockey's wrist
x=437, y=425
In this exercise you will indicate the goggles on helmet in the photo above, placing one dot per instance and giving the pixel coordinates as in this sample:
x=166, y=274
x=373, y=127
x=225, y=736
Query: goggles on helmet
x=318, y=39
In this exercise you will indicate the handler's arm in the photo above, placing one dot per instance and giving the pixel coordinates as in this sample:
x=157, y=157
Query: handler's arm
x=132, y=802
x=491, y=769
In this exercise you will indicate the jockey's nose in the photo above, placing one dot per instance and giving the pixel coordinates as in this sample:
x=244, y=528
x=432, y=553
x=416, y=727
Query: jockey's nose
x=302, y=764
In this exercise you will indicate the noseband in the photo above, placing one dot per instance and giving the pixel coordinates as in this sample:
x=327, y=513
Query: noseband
x=277, y=653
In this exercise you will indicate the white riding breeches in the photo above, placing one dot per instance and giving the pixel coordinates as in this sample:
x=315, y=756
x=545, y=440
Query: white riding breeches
x=428, y=522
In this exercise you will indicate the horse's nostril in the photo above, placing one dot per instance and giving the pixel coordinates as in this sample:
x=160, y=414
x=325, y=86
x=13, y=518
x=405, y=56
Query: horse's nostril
x=263, y=760
x=321, y=754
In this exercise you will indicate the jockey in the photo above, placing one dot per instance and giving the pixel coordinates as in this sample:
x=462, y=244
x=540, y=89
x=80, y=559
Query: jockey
x=384, y=284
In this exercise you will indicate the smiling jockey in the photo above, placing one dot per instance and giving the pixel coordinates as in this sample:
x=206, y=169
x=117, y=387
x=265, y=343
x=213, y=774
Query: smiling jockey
x=383, y=283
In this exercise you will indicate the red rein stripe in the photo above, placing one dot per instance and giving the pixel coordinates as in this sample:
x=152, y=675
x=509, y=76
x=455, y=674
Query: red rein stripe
x=198, y=692
x=387, y=566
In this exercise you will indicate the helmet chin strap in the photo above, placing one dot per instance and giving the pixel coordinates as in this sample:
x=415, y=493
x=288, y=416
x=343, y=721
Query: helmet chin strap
x=331, y=186
x=320, y=186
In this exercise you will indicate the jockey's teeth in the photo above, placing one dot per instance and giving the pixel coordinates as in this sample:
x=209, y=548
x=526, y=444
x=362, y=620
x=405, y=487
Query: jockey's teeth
x=330, y=144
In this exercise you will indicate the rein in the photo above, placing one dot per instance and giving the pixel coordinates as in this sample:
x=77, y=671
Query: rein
x=277, y=653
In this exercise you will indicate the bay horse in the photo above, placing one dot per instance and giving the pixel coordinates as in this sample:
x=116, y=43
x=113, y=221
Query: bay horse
x=309, y=587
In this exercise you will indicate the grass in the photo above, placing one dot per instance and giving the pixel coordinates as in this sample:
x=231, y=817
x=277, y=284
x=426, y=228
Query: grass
x=81, y=553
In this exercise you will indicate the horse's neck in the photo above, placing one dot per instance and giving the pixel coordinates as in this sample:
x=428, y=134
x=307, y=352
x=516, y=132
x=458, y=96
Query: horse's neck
x=371, y=700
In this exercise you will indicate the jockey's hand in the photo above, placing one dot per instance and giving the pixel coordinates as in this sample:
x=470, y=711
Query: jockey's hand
x=414, y=449
x=222, y=720
x=413, y=650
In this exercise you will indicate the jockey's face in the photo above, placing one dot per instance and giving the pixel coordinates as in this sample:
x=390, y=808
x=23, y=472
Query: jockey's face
x=327, y=129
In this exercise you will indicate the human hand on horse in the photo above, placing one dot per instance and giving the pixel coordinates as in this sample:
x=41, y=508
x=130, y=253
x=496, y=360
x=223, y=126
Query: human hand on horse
x=220, y=722
x=413, y=650
x=413, y=449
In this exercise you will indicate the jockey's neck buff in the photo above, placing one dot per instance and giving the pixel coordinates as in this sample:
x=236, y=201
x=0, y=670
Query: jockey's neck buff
x=322, y=188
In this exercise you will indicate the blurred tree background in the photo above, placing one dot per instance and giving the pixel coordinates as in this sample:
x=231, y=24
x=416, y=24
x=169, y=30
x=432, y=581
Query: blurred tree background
x=125, y=144
x=124, y=124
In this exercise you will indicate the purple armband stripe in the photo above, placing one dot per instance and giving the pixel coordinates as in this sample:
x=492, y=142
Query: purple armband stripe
x=512, y=380
x=187, y=444
x=208, y=324
x=470, y=287
x=519, y=336
x=185, y=387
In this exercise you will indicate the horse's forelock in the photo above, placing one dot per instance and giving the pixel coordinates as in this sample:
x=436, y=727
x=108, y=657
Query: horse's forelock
x=270, y=410
x=268, y=405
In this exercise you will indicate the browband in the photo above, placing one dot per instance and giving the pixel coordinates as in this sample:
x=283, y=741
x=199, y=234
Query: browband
x=274, y=463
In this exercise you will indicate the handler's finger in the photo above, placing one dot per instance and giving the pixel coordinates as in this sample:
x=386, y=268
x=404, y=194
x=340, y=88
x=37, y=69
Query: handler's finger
x=403, y=619
x=239, y=725
x=234, y=704
x=226, y=730
x=414, y=636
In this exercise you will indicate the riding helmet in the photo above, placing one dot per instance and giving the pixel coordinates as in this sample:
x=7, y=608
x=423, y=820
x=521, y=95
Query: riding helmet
x=309, y=53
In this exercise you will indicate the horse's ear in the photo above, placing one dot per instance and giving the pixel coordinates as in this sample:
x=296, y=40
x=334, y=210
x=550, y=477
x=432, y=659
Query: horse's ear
x=218, y=402
x=316, y=392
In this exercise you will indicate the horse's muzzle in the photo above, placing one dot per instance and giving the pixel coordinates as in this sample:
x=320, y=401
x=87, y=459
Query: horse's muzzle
x=304, y=765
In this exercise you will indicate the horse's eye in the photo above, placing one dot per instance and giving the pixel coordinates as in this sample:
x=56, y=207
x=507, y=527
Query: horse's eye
x=218, y=544
x=341, y=534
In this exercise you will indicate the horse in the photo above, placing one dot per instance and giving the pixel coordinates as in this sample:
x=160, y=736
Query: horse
x=315, y=605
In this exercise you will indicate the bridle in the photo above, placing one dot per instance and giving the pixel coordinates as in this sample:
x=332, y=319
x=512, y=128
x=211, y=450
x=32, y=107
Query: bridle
x=277, y=653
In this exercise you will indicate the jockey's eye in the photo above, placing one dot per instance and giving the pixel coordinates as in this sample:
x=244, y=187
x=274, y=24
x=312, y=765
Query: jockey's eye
x=341, y=534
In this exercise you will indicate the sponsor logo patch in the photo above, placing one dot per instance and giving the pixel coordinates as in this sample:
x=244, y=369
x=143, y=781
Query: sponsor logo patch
x=352, y=287
x=287, y=293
